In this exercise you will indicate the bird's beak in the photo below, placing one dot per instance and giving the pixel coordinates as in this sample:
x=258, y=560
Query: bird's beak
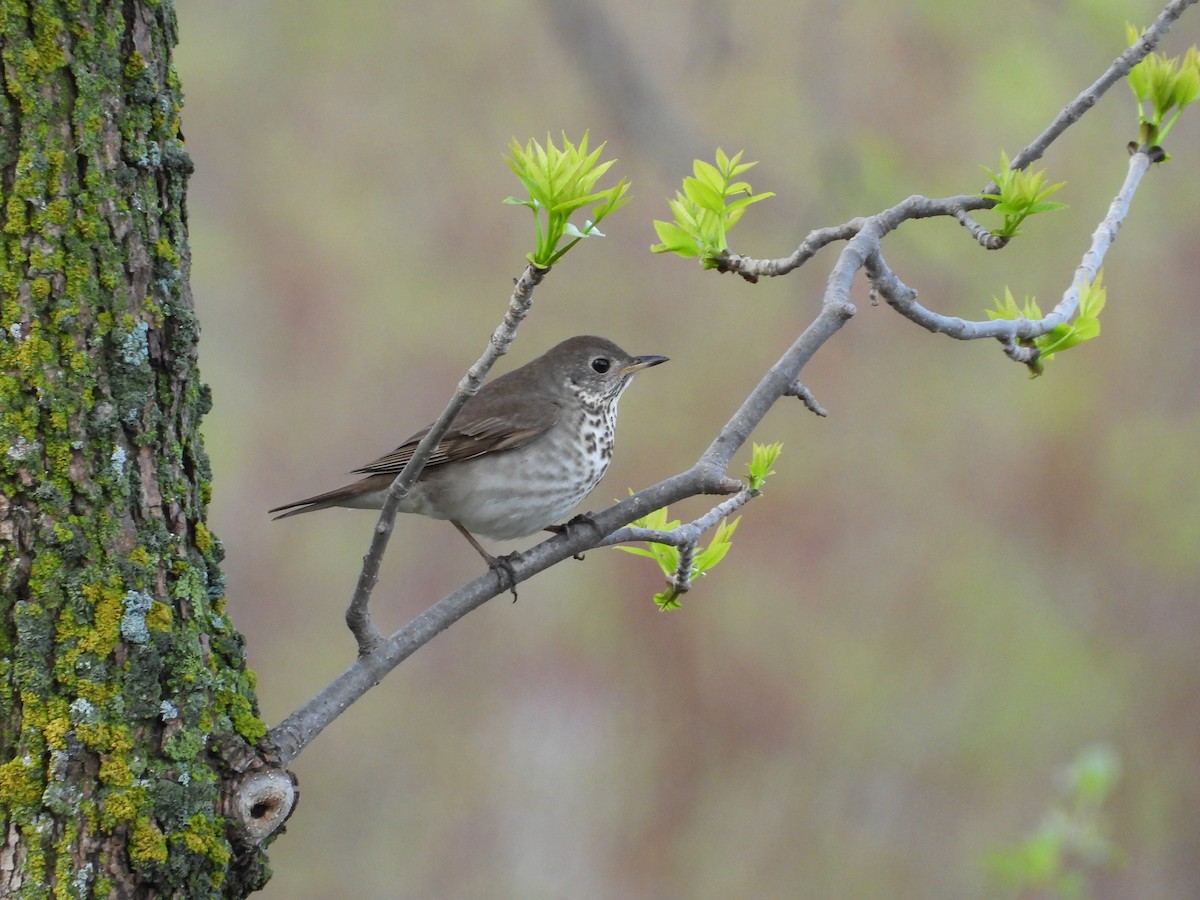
x=643, y=362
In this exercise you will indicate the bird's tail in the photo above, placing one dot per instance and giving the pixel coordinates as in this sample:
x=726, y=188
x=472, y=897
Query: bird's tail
x=321, y=501
x=357, y=495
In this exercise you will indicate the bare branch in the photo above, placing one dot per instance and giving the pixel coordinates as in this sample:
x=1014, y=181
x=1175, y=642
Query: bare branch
x=753, y=269
x=1120, y=67
x=921, y=207
x=681, y=578
x=298, y=729
x=1011, y=331
x=914, y=207
x=983, y=237
x=807, y=398
x=358, y=615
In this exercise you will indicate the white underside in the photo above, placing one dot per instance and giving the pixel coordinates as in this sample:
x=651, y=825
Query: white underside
x=486, y=502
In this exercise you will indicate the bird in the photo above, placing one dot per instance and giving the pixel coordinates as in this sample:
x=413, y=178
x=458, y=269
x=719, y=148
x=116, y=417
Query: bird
x=521, y=453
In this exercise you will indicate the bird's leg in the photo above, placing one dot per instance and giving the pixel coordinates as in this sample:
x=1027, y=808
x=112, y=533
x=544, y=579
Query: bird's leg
x=581, y=519
x=502, y=565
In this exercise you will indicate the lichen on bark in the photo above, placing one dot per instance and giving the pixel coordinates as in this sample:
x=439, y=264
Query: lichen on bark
x=121, y=677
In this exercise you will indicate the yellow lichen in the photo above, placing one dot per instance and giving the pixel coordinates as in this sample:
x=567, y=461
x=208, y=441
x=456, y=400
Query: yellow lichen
x=55, y=733
x=102, y=637
x=147, y=843
x=160, y=617
x=203, y=539
x=206, y=837
x=135, y=65
x=20, y=783
x=114, y=771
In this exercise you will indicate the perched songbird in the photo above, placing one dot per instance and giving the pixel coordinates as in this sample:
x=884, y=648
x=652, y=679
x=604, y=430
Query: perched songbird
x=520, y=454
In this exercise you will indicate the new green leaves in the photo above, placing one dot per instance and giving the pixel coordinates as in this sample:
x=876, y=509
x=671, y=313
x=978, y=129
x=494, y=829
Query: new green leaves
x=706, y=209
x=668, y=557
x=684, y=561
x=762, y=457
x=561, y=182
x=1021, y=193
x=1072, y=839
x=1084, y=327
x=1164, y=85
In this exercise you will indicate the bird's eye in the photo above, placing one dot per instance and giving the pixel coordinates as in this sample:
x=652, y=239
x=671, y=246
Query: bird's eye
x=601, y=364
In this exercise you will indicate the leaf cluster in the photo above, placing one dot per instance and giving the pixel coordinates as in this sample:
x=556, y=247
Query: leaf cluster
x=668, y=556
x=1054, y=860
x=1165, y=85
x=706, y=209
x=1084, y=327
x=762, y=457
x=1020, y=194
x=560, y=182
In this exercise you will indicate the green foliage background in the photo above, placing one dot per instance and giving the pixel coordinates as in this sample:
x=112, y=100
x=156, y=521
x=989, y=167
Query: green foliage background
x=955, y=582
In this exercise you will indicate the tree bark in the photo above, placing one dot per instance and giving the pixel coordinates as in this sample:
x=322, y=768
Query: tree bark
x=126, y=708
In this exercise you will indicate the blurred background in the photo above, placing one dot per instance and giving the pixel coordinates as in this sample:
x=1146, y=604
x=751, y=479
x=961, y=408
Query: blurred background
x=956, y=583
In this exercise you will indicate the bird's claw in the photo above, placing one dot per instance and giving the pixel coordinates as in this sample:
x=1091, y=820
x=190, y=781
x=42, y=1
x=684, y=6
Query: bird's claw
x=581, y=519
x=503, y=567
x=585, y=518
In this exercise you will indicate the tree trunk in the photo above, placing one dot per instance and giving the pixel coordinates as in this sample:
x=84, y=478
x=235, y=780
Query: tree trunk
x=126, y=709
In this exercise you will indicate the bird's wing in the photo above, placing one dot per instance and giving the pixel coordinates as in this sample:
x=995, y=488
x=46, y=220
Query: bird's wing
x=475, y=431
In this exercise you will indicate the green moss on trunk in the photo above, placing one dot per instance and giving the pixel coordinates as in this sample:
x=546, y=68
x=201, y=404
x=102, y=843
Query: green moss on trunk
x=118, y=666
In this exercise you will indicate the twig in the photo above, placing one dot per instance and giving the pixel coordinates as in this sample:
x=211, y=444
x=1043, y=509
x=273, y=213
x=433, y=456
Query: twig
x=983, y=237
x=1012, y=331
x=1119, y=68
x=806, y=397
x=753, y=269
x=921, y=207
x=688, y=533
x=298, y=729
x=686, y=538
x=358, y=615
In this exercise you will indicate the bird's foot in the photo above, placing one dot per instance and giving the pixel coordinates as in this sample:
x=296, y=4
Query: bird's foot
x=503, y=567
x=581, y=519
